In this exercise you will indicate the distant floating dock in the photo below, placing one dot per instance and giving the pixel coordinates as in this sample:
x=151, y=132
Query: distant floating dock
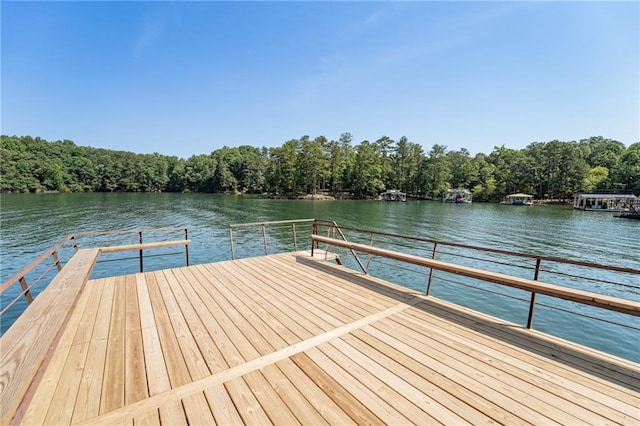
x=290, y=339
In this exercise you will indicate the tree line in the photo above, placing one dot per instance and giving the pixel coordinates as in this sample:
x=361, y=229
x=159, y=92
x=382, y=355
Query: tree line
x=547, y=170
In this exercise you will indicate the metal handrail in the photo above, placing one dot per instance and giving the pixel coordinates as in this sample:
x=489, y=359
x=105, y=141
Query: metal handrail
x=263, y=226
x=397, y=240
x=21, y=273
x=20, y=277
x=329, y=224
x=533, y=286
x=496, y=251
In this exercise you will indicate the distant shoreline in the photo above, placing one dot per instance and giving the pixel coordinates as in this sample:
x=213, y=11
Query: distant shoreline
x=290, y=196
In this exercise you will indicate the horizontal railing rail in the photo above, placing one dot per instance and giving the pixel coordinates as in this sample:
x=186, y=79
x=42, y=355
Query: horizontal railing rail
x=52, y=251
x=576, y=275
x=588, y=298
x=34, y=278
x=488, y=249
x=284, y=232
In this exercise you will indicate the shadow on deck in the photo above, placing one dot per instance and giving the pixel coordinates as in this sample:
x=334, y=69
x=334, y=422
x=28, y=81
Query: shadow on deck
x=285, y=339
x=589, y=361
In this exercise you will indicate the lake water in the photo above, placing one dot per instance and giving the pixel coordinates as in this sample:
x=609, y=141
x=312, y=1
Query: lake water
x=32, y=223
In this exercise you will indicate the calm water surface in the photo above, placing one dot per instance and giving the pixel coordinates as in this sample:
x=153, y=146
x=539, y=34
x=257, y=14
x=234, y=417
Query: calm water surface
x=32, y=223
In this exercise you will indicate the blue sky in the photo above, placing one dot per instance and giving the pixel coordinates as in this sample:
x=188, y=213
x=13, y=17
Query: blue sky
x=186, y=78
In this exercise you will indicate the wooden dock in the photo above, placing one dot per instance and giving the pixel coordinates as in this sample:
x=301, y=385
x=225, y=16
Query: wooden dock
x=287, y=339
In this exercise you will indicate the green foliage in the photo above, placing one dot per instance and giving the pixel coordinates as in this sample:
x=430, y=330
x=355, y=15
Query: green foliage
x=597, y=178
x=438, y=172
x=366, y=179
x=554, y=169
x=628, y=174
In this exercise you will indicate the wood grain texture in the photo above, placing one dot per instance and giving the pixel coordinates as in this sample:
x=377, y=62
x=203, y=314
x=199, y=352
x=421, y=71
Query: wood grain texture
x=24, y=346
x=630, y=307
x=286, y=339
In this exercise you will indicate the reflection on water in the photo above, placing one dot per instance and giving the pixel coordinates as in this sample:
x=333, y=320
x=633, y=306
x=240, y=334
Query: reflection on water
x=32, y=223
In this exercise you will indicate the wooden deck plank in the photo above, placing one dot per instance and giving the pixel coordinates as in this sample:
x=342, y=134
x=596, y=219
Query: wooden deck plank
x=343, y=308
x=113, y=389
x=174, y=300
x=309, y=323
x=458, y=399
x=269, y=310
x=314, y=394
x=26, y=343
x=237, y=371
x=619, y=373
x=458, y=384
x=167, y=317
x=245, y=406
x=197, y=371
x=157, y=374
x=348, y=403
x=251, y=315
x=310, y=312
x=246, y=322
x=148, y=419
x=576, y=359
x=222, y=407
x=304, y=412
x=87, y=401
x=208, y=311
x=407, y=400
x=304, y=290
x=543, y=403
x=277, y=411
x=198, y=410
x=384, y=409
x=50, y=401
x=246, y=403
x=240, y=348
x=174, y=361
x=136, y=386
x=347, y=278
x=340, y=280
x=200, y=336
x=554, y=381
x=284, y=340
x=387, y=383
x=71, y=378
x=318, y=288
x=324, y=317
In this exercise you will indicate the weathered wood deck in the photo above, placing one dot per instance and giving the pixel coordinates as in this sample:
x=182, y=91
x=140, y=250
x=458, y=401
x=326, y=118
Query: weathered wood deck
x=285, y=339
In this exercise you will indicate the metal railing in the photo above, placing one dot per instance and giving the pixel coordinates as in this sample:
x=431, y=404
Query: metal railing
x=263, y=238
x=280, y=234
x=612, y=280
x=34, y=278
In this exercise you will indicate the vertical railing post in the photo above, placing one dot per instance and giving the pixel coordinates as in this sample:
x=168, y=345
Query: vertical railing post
x=74, y=243
x=433, y=256
x=141, y=261
x=186, y=246
x=366, y=269
x=56, y=261
x=295, y=238
x=532, y=303
x=264, y=239
x=25, y=290
x=233, y=250
x=353, y=253
x=314, y=231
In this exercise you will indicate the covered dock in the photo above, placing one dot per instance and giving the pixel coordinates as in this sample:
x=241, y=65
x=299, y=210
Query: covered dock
x=393, y=195
x=610, y=202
